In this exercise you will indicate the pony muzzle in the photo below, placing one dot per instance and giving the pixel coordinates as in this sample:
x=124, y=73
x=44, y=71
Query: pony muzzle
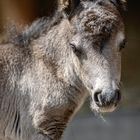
x=106, y=101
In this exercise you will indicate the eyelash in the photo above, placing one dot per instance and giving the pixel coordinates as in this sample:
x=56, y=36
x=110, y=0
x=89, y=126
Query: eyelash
x=75, y=50
x=73, y=47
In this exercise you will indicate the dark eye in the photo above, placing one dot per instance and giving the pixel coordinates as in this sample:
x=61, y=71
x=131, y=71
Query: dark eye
x=122, y=45
x=73, y=46
x=76, y=50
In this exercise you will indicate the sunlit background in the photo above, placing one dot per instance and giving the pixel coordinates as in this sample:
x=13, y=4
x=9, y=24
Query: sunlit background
x=124, y=124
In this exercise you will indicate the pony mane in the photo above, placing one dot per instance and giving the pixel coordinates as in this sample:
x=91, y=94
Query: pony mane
x=34, y=31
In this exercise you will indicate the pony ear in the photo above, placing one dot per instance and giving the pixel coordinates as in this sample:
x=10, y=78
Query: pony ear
x=65, y=5
x=68, y=5
x=120, y=4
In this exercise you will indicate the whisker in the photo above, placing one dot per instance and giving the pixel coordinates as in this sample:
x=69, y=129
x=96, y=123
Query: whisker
x=101, y=117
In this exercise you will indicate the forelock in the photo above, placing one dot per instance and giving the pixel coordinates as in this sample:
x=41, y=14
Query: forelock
x=98, y=20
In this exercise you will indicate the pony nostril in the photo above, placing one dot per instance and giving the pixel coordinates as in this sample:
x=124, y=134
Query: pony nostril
x=118, y=95
x=107, y=98
x=97, y=96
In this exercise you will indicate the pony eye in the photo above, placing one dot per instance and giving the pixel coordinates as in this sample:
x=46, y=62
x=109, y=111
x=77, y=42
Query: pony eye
x=73, y=46
x=76, y=50
x=122, y=45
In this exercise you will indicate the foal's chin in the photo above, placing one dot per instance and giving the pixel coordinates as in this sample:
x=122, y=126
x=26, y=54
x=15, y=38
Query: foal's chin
x=103, y=109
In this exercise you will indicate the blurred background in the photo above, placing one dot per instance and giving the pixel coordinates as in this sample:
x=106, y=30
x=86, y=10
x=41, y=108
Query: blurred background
x=124, y=124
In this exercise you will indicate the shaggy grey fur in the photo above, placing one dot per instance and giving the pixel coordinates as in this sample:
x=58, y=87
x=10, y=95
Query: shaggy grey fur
x=49, y=69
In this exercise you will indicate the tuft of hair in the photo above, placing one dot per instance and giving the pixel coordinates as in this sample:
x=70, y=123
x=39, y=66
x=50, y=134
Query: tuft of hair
x=34, y=31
